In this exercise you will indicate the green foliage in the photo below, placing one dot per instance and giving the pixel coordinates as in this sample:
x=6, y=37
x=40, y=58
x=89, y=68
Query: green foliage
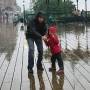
x=58, y=7
x=26, y=15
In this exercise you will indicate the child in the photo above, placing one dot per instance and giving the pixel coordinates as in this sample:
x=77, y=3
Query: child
x=51, y=40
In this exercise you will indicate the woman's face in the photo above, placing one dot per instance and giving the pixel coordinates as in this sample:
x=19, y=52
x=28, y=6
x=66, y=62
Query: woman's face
x=40, y=19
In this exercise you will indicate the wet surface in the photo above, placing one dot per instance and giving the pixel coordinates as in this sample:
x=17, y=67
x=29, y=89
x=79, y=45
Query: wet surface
x=75, y=41
x=8, y=38
x=76, y=36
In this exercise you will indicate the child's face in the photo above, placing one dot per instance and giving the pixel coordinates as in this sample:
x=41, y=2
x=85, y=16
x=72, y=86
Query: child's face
x=51, y=33
x=44, y=38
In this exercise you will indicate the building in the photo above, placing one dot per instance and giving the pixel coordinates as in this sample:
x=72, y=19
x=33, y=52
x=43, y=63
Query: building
x=1, y=7
x=7, y=10
x=7, y=3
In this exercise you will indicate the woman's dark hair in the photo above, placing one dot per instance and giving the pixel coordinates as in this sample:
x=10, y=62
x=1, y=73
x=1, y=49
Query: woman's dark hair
x=40, y=14
x=40, y=26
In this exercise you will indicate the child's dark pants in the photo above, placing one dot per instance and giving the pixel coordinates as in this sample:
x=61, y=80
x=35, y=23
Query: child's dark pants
x=57, y=57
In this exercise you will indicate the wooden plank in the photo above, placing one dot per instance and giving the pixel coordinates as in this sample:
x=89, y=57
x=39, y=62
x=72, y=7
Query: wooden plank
x=9, y=75
x=5, y=86
x=85, y=66
x=3, y=71
x=67, y=85
x=25, y=78
x=0, y=54
x=37, y=81
x=76, y=84
x=42, y=79
x=56, y=78
x=16, y=80
x=80, y=78
x=25, y=82
x=69, y=77
x=85, y=74
x=2, y=59
x=81, y=68
x=82, y=63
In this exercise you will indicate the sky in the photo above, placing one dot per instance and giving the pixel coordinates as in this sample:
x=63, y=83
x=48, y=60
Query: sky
x=81, y=4
x=20, y=3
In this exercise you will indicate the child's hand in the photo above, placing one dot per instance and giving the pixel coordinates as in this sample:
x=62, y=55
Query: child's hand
x=44, y=38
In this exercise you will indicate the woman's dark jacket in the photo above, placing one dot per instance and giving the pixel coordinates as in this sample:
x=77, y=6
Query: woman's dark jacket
x=35, y=30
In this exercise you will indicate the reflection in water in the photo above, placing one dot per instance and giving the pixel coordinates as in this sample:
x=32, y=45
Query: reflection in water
x=8, y=35
x=32, y=81
x=41, y=82
x=57, y=83
x=75, y=38
x=87, y=39
x=65, y=39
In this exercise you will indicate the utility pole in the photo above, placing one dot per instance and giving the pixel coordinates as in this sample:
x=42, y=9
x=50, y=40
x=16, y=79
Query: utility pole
x=23, y=11
x=47, y=8
x=23, y=24
x=64, y=8
x=77, y=5
x=86, y=7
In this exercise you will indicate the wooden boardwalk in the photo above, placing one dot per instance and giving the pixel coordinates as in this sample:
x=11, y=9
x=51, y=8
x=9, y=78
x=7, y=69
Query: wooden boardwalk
x=14, y=74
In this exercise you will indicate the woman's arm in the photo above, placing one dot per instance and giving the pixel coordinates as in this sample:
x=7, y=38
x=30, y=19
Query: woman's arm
x=33, y=30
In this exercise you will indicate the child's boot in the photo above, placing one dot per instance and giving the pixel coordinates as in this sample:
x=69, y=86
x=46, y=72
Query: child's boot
x=60, y=72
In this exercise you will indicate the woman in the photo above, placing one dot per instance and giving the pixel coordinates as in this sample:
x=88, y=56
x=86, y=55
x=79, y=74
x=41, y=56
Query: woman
x=36, y=29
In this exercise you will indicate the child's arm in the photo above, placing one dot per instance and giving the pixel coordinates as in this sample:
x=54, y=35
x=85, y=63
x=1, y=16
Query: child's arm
x=55, y=39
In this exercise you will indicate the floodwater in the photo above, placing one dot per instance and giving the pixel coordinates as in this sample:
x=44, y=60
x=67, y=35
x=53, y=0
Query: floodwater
x=74, y=37
x=75, y=41
x=8, y=38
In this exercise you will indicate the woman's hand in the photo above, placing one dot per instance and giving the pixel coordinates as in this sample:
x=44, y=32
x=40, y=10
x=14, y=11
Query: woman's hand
x=44, y=38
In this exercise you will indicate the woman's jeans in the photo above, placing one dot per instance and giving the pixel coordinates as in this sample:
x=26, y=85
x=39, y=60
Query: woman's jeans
x=39, y=45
